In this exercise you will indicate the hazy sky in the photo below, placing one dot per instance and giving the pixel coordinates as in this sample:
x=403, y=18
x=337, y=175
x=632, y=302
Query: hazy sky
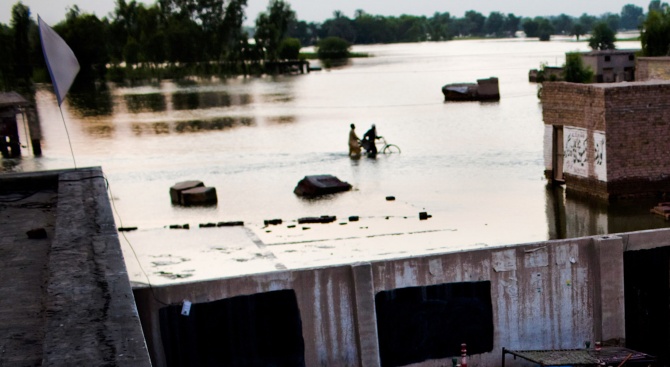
x=53, y=11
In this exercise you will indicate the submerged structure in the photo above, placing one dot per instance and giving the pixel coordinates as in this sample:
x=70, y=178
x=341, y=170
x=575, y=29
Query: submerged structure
x=483, y=90
x=608, y=140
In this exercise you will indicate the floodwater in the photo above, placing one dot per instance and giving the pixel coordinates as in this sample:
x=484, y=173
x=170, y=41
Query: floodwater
x=476, y=168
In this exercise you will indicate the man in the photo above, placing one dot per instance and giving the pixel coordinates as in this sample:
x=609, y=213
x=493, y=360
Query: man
x=354, y=143
x=369, y=141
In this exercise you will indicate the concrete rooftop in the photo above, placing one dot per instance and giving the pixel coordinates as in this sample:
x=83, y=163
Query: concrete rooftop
x=65, y=297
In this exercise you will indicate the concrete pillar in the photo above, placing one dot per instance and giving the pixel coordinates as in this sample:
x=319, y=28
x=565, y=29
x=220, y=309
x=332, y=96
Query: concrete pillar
x=366, y=315
x=610, y=302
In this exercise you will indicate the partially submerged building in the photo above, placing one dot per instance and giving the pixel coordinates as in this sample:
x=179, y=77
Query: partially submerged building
x=610, y=66
x=13, y=104
x=608, y=140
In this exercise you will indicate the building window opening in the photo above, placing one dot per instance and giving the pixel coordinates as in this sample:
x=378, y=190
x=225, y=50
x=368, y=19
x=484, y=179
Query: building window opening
x=416, y=324
x=262, y=329
x=607, y=58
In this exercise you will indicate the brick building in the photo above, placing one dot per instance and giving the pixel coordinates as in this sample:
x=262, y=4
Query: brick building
x=650, y=68
x=611, y=66
x=608, y=140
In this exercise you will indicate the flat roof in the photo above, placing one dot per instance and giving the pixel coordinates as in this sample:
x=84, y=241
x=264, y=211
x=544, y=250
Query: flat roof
x=65, y=298
x=10, y=99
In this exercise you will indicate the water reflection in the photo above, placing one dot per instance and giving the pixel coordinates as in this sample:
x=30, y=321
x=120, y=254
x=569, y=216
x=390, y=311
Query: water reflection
x=204, y=100
x=572, y=216
x=156, y=128
x=152, y=102
x=213, y=124
x=99, y=129
x=90, y=99
x=277, y=98
x=282, y=119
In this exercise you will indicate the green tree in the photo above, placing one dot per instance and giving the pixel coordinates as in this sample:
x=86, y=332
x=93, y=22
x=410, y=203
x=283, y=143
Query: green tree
x=332, y=48
x=340, y=26
x=531, y=28
x=631, y=16
x=439, y=28
x=655, y=35
x=495, y=24
x=86, y=36
x=545, y=29
x=575, y=71
x=562, y=24
x=512, y=24
x=602, y=38
x=587, y=21
x=289, y=49
x=21, y=24
x=657, y=5
x=475, y=23
x=7, y=61
x=272, y=27
x=612, y=20
x=578, y=30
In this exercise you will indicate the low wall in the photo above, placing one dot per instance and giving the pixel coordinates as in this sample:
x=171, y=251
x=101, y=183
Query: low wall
x=649, y=68
x=554, y=294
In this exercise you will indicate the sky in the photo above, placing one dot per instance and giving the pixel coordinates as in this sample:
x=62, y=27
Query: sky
x=53, y=11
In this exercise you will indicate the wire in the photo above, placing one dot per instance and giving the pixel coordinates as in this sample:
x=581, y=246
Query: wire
x=111, y=196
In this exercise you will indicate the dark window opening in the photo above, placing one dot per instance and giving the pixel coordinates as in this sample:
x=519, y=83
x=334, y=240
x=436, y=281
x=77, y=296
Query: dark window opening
x=631, y=57
x=647, y=299
x=421, y=323
x=607, y=58
x=263, y=329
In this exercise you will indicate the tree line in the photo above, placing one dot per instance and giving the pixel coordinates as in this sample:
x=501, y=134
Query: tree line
x=171, y=35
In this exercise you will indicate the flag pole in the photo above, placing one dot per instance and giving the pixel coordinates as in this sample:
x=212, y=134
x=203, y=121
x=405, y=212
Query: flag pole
x=68, y=137
x=63, y=68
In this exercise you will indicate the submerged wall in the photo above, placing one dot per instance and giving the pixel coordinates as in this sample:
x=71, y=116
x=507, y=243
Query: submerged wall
x=554, y=294
x=614, y=136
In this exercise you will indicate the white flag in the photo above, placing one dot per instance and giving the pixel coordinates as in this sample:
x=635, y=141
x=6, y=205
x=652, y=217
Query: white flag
x=61, y=61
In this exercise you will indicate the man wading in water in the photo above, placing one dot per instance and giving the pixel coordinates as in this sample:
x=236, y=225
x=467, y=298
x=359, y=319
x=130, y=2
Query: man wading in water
x=354, y=143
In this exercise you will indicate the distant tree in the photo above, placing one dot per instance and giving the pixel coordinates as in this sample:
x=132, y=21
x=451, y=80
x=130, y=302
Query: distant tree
x=562, y=24
x=7, y=75
x=578, y=30
x=512, y=24
x=272, y=26
x=657, y=5
x=475, y=23
x=587, y=21
x=612, y=20
x=531, y=28
x=21, y=24
x=602, y=38
x=289, y=49
x=495, y=24
x=574, y=70
x=332, y=48
x=631, y=17
x=439, y=27
x=340, y=26
x=545, y=29
x=655, y=35
x=86, y=36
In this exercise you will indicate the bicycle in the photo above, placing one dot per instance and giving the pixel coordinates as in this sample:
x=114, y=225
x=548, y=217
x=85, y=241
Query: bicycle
x=386, y=148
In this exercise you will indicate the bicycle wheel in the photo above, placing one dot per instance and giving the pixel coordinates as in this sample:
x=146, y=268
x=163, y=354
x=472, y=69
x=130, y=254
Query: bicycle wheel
x=391, y=149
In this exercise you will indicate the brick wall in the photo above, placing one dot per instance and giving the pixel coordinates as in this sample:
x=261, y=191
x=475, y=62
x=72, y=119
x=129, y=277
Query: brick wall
x=636, y=120
x=648, y=68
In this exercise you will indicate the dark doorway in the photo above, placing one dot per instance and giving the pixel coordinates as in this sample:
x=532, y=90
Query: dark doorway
x=261, y=330
x=646, y=282
x=421, y=323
